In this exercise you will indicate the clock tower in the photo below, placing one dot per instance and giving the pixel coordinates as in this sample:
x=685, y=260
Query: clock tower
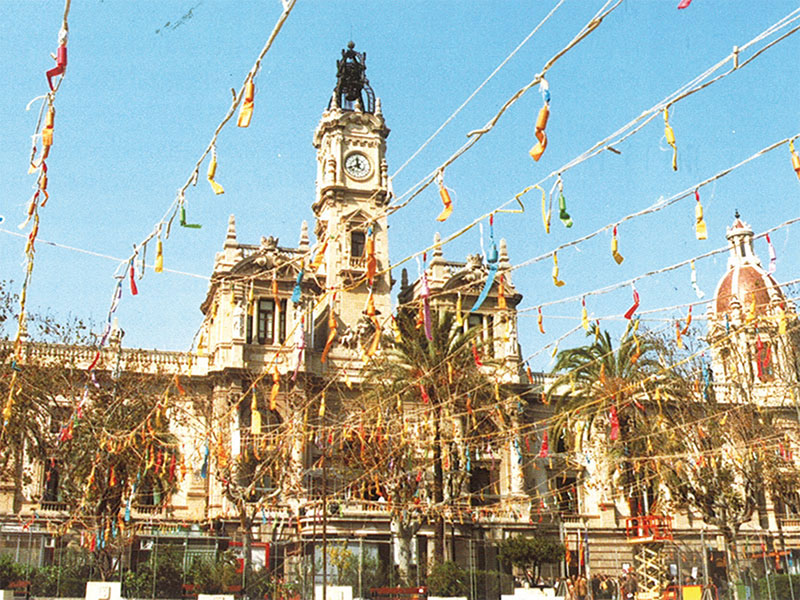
x=351, y=198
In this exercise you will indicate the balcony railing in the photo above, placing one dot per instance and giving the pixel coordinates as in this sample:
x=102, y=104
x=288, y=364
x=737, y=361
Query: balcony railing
x=52, y=506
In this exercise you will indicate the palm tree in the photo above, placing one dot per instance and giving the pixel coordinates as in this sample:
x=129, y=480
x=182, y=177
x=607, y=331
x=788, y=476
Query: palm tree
x=436, y=391
x=614, y=397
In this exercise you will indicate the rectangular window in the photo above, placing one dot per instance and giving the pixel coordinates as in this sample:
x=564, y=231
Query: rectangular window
x=357, y=243
x=248, y=328
x=282, y=323
x=270, y=330
x=266, y=321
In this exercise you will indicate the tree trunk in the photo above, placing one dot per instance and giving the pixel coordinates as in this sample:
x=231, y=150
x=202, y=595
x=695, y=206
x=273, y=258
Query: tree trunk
x=405, y=536
x=733, y=561
x=247, y=545
x=438, y=490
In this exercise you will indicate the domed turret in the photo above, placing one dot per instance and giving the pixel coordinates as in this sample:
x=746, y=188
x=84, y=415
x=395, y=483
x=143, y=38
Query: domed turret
x=745, y=280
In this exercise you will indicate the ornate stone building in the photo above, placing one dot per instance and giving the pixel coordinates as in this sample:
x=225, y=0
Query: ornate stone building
x=272, y=313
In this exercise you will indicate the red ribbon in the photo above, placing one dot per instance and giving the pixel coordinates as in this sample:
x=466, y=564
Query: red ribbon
x=635, y=307
x=61, y=64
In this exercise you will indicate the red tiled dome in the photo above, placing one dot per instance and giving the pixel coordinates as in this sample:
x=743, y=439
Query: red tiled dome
x=744, y=283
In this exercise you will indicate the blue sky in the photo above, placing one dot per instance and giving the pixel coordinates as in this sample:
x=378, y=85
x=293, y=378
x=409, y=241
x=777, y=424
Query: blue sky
x=148, y=82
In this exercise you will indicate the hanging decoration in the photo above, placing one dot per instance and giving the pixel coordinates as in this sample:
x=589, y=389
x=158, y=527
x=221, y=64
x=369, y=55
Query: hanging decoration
x=255, y=415
x=492, y=263
x=60, y=58
x=331, y=329
x=688, y=321
x=696, y=288
x=556, y=281
x=613, y=420
x=629, y=313
x=297, y=291
x=444, y=193
x=183, y=222
x=276, y=387
x=475, y=354
x=618, y=258
x=584, y=315
x=540, y=320
x=321, y=412
x=320, y=255
x=132, y=278
x=459, y=316
x=158, y=267
x=369, y=254
x=669, y=134
x=773, y=258
x=795, y=159
x=684, y=4
x=501, y=293
x=246, y=111
x=212, y=171
x=372, y=314
x=544, y=450
x=700, y=229
x=546, y=211
x=562, y=205
x=541, y=122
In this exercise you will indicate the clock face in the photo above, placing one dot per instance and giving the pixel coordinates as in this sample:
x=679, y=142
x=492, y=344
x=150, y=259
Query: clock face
x=357, y=165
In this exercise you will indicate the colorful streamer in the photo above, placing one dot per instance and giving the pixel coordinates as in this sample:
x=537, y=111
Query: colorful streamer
x=618, y=258
x=629, y=313
x=556, y=281
x=297, y=291
x=212, y=171
x=684, y=4
x=61, y=58
x=696, y=288
x=369, y=252
x=540, y=320
x=246, y=111
x=700, y=229
x=444, y=193
x=183, y=222
x=546, y=213
x=584, y=315
x=669, y=134
x=492, y=261
x=795, y=158
x=544, y=450
x=562, y=206
x=541, y=123
x=773, y=258
x=613, y=420
x=331, y=330
x=159, y=263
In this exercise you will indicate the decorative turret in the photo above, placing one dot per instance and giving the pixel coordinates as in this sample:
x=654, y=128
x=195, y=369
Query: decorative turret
x=751, y=353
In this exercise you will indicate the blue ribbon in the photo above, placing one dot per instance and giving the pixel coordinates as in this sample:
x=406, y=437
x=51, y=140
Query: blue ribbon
x=296, y=292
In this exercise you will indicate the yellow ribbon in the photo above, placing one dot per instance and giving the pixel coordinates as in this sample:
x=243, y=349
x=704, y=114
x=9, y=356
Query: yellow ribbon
x=795, y=159
x=246, y=111
x=322, y=405
x=584, y=315
x=276, y=387
x=159, y=264
x=618, y=258
x=669, y=134
x=459, y=316
x=700, y=229
x=255, y=416
x=546, y=214
x=212, y=170
x=556, y=281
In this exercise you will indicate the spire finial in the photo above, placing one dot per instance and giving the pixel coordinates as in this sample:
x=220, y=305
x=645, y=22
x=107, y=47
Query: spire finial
x=230, y=236
x=736, y=214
